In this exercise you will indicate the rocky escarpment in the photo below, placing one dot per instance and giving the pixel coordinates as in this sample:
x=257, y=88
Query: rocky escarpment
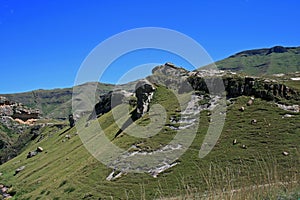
x=250, y=86
x=17, y=110
x=17, y=127
x=182, y=81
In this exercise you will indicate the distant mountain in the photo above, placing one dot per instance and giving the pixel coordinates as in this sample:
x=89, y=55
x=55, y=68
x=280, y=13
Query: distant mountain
x=56, y=103
x=264, y=61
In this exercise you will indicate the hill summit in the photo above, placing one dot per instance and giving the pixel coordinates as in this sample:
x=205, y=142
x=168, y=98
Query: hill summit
x=265, y=61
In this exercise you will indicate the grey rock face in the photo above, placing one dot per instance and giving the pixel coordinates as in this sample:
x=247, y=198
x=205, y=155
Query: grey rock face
x=249, y=86
x=144, y=93
x=17, y=110
x=109, y=101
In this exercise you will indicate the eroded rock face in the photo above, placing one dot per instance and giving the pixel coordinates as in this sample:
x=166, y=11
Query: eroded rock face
x=144, y=93
x=171, y=77
x=17, y=110
x=109, y=101
x=249, y=86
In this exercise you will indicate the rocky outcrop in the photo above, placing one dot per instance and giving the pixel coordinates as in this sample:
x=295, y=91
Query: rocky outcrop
x=109, y=101
x=171, y=77
x=250, y=86
x=17, y=110
x=144, y=93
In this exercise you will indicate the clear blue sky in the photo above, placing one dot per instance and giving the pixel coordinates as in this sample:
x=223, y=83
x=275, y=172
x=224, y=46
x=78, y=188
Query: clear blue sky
x=43, y=43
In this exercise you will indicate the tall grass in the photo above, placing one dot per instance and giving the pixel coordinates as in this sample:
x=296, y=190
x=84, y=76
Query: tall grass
x=266, y=179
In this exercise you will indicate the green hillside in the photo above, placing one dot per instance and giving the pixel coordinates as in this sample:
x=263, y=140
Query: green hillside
x=253, y=168
x=263, y=61
x=56, y=103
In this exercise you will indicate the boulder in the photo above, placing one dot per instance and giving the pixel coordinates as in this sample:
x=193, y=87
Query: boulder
x=68, y=136
x=285, y=153
x=31, y=154
x=250, y=102
x=39, y=149
x=253, y=121
x=234, y=142
x=18, y=170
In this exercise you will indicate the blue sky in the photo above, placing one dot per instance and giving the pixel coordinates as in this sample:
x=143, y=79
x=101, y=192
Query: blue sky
x=43, y=43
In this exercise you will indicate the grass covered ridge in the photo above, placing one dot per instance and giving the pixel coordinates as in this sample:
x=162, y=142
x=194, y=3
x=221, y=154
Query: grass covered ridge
x=66, y=170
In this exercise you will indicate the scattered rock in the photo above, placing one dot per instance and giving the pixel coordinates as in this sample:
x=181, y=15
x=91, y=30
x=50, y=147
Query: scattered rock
x=234, y=142
x=19, y=169
x=287, y=116
x=68, y=136
x=295, y=79
x=253, y=121
x=242, y=109
x=6, y=192
x=31, y=154
x=285, y=153
x=293, y=108
x=250, y=102
x=39, y=149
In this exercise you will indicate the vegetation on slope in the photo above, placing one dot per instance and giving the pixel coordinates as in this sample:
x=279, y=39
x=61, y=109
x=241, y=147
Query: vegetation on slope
x=66, y=170
x=263, y=61
x=56, y=103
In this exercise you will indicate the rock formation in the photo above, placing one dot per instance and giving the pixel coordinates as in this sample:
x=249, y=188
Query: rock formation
x=17, y=110
x=109, y=101
x=249, y=86
x=144, y=93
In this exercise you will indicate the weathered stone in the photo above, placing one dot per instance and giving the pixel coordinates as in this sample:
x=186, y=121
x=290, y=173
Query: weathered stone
x=109, y=101
x=31, y=154
x=71, y=121
x=253, y=121
x=144, y=93
x=39, y=149
x=250, y=102
x=285, y=153
x=249, y=86
x=68, y=136
x=18, y=170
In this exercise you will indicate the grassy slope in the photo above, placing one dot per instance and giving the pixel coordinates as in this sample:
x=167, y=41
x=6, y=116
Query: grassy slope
x=54, y=103
x=65, y=170
x=263, y=64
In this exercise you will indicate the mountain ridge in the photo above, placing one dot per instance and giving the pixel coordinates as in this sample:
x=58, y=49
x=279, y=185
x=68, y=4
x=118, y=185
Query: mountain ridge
x=264, y=61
